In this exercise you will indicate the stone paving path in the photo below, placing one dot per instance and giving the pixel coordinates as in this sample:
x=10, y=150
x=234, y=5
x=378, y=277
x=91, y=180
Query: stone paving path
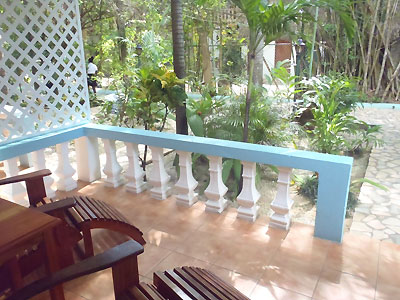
x=378, y=213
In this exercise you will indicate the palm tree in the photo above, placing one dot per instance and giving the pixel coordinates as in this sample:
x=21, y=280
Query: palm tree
x=179, y=59
x=272, y=21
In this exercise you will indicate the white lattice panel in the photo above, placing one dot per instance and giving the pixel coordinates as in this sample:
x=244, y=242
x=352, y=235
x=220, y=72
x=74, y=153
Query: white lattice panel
x=42, y=69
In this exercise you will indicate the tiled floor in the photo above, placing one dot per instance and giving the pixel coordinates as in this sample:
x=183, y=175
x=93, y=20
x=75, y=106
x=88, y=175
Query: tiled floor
x=261, y=262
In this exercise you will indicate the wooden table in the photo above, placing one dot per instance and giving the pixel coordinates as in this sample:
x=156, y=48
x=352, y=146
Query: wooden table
x=21, y=227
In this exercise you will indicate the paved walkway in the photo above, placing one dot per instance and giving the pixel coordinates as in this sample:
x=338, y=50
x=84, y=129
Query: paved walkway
x=378, y=213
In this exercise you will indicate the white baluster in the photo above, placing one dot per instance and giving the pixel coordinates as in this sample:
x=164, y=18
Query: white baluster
x=249, y=195
x=39, y=163
x=216, y=190
x=13, y=191
x=134, y=173
x=186, y=183
x=64, y=170
x=112, y=168
x=282, y=202
x=24, y=161
x=87, y=158
x=158, y=176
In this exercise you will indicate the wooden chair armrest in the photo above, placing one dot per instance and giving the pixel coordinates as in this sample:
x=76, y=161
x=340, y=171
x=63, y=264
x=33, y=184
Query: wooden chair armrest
x=90, y=265
x=59, y=205
x=25, y=177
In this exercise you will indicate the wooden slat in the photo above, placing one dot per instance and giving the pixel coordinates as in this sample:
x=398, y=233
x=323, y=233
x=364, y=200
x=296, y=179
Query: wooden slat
x=167, y=288
x=226, y=285
x=135, y=294
x=209, y=286
x=83, y=205
x=220, y=284
x=95, y=203
x=107, y=210
x=81, y=212
x=74, y=216
x=196, y=285
x=216, y=283
x=150, y=291
x=187, y=288
x=94, y=210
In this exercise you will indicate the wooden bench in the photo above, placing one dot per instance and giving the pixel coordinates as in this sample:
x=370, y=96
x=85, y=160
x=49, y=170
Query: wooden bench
x=85, y=214
x=89, y=213
x=180, y=283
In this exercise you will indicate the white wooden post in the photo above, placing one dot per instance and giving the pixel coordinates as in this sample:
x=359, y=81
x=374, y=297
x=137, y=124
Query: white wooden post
x=158, y=176
x=134, y=173
x=87, y=158
x=282, y=202
x=249, y=195
x=112, y=168
x=13, y=191
x=186, y=184
x=39, y=163
x=64, y=170
x=216, y=190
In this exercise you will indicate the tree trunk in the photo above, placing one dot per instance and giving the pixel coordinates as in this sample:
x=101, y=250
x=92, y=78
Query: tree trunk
x=250, y=83
x=179, y=59
x=258, y=74
x=205, y=55
x=120, y=21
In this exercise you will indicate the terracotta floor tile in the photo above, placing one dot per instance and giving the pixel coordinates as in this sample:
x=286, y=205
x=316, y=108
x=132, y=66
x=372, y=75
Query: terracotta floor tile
x=175, y=259
x=169, y=234
x=387, y=292
x=241, y=282
x=97, y=286
x=389, y=265
x=292, y=274
x=151, y=257
x=337, y=285
x=273, y=292
x=356, y=255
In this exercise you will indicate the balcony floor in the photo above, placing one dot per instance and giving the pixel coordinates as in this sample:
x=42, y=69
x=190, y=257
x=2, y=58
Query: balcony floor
x=262, y=262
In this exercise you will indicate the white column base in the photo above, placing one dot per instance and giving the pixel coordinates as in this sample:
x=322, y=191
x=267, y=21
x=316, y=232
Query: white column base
x=280, y=221
x=187, y=199
x=248, y=213
x=216, y=206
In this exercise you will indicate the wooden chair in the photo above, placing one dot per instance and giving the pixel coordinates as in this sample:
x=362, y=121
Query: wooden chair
x=85, y=214
x=180, y=283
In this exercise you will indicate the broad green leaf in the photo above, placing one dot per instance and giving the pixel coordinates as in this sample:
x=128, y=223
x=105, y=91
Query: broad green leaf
x=196, y=125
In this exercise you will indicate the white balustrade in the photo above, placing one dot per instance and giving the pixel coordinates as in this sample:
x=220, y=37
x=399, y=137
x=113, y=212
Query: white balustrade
x=186, y=184
x=158, y=176
x=112, y=168
x=64, y=170
x=134, y=173
x=87, y=158
x=39, y=163
x=216, y=190
x=282, y=202
x=249, y=195
x=14, y=191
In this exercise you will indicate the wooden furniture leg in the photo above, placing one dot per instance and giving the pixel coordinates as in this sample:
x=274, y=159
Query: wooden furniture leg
x=57, y=292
